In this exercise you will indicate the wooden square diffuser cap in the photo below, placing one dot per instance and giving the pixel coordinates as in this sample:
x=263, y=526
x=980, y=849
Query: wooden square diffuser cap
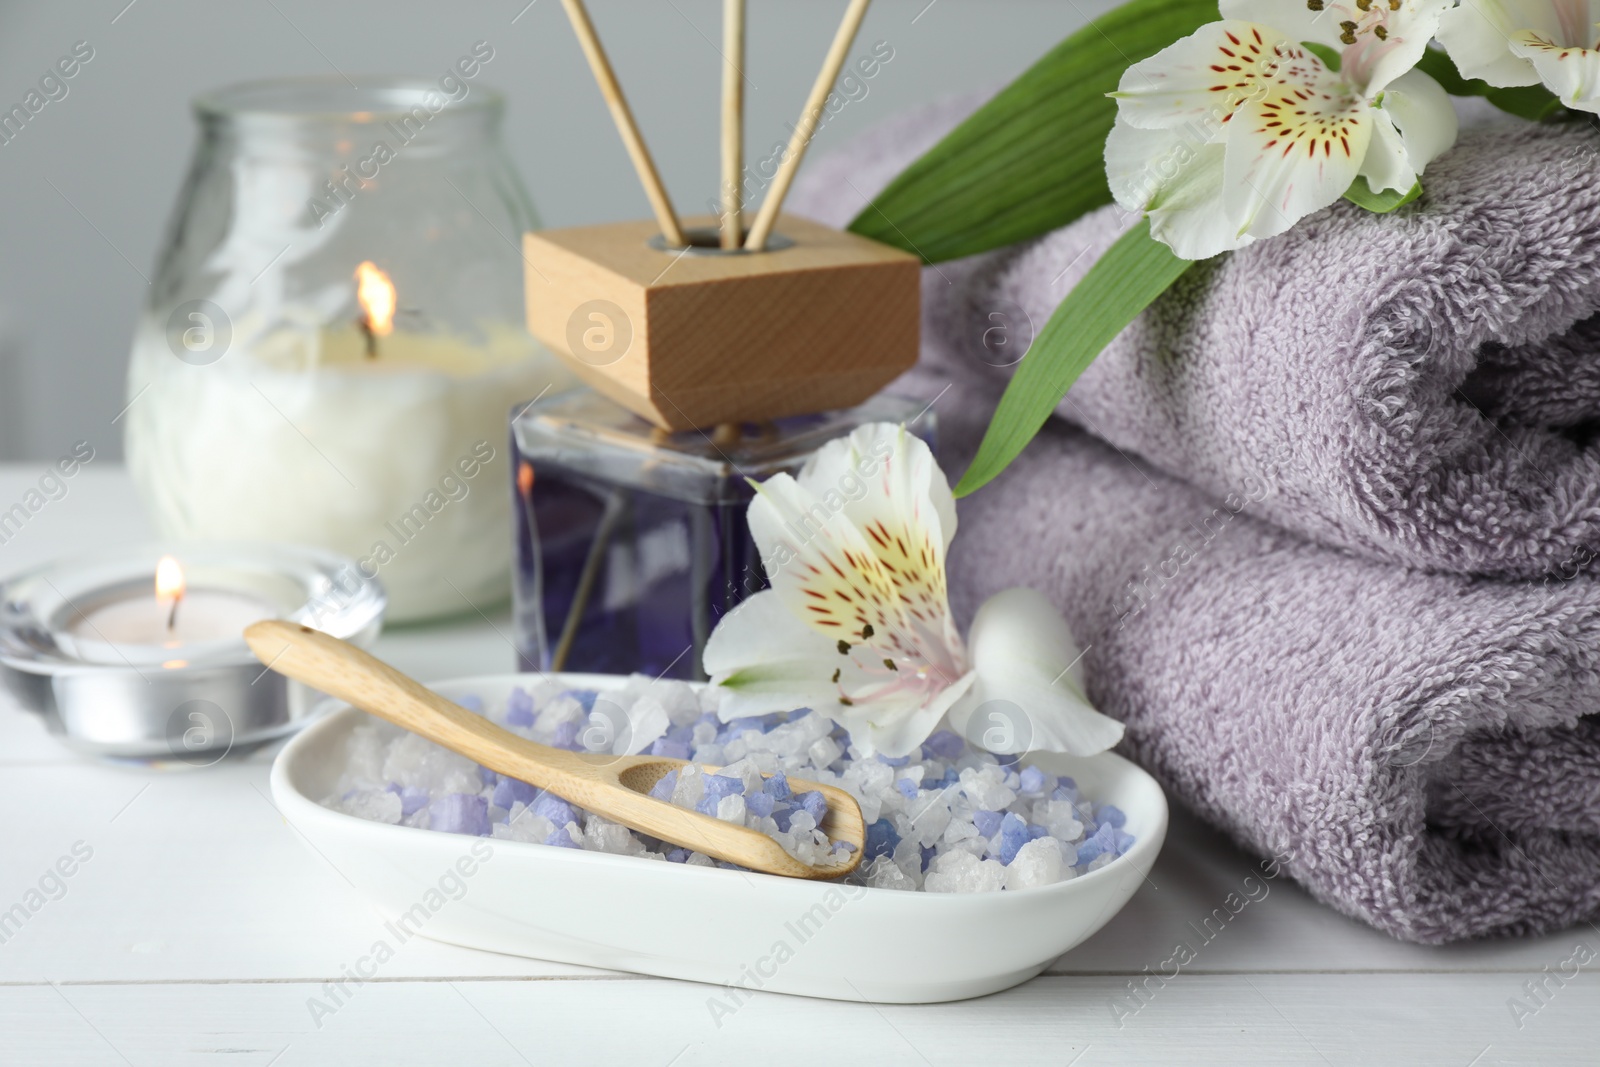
x=691, y=329
x=819, y=321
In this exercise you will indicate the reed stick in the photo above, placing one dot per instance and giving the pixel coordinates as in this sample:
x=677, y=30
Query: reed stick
x=622, y=115
x=733, y=123
x=761, y=229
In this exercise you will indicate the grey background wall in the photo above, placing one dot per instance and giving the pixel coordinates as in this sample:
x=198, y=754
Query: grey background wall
x=87, y=188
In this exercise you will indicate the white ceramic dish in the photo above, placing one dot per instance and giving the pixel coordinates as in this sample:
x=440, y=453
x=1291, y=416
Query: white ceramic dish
x=705, y=924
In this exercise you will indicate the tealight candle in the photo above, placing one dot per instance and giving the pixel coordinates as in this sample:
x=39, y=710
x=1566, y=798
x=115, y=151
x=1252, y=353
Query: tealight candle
x=139, y=653
x=152, y=620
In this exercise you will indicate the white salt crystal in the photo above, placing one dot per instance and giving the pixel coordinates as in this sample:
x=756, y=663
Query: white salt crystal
x=700, y=859
x=731, y=809
x=884, y=873
x=690, y=787
x=379, y=806
x=962, y=872
x=1036, y=863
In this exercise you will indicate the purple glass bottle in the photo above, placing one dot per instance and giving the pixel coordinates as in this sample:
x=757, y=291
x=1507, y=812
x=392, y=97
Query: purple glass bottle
x=631, y=542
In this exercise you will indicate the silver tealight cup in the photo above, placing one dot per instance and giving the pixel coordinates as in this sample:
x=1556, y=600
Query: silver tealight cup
x=118, y=669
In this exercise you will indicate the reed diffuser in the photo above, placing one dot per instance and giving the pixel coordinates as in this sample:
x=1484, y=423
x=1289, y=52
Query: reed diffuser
x=710, y=323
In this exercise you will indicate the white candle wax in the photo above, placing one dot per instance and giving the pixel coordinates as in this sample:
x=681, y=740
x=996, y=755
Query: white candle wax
x=204, y=615
x=398, y=462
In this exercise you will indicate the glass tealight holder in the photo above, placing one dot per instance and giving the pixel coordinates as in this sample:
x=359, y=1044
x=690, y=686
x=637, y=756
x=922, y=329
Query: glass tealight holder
x=334, y=336
x=632, y=542
x=114, y=671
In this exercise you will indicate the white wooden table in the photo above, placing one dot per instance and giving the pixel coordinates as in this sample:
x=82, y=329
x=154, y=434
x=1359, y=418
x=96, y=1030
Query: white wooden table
x=201, y=926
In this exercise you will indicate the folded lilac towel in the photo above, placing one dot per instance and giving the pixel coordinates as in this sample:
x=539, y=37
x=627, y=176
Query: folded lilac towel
x=1422, y=388
x=1415, y=742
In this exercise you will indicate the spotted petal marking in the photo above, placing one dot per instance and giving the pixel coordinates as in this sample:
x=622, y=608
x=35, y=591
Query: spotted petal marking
x=819, y=563
x=907, y=515
x=1296, y=149
x=1569, y=71
x=1202, y=80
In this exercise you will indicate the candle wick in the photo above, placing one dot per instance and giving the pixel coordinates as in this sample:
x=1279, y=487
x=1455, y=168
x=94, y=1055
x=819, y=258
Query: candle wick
x=172, y=616
x=372, y=337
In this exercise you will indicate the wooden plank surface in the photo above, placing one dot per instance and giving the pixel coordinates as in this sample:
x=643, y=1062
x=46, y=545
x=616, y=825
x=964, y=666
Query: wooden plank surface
x=201, y=926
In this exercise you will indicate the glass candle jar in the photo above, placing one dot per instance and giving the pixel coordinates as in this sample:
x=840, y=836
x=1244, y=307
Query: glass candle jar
x=632, y=541
x=334, y=337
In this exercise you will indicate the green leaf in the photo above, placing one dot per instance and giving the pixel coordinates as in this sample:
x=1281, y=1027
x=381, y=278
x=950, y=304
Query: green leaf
x=1131, y=274
x=1330, y=56
x=1033, y=158
x=1361, y=193
x=1533, y=102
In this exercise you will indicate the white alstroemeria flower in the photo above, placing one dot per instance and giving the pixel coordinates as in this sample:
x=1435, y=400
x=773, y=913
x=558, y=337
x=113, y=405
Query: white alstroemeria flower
x=857, y=623
x=1526, y=42
x=1238, y=131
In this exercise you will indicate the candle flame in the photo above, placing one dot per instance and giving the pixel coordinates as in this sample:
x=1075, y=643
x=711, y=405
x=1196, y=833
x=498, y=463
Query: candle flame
x=169, y=580
x=375, y=294
x=525, y=478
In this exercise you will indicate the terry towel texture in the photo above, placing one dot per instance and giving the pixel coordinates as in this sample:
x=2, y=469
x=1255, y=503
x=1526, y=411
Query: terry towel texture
x=1425, y=386
x=1417, y=742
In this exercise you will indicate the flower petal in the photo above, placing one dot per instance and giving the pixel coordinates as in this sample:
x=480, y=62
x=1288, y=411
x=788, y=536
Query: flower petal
x=1178, y=184
x=1024, y=655
x=1573, y=74
x=1416, y=124
x=1477, y=35
x=1201, y=80
x=888, y=486
x=766, y=660
x=1294, y=19
x=898, y=727
x=820, y=564
x=1296, y=149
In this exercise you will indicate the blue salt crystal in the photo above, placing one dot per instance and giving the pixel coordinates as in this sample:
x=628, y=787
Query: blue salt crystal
x=681, y=733
x=586, y=697
x=502, y=794
x=460, y=813
x=943, y=745
x=759, y=803
x=1036, y=832
x=1066, y=789
x=1110, y=813
x=987, y=822
x=1124, y=842
x=707, y=805
x=561, y=839
x=472, y=702
x=662, y=790
x=555, y=809
x=519, y=708
x=777, y=786
x=487, y=777
x=1101, y=841
x=678, y=855
x=566, y=737
x=814, y=803
x=927, y=857
x=721, y=785
x=881, y=839
x=906, y=787
x=670, y=749
x=1013, y=835
x=951, y=777
x=1031, y=780
x=412, y=799
x=522, y=792
x=896, y=762
x=781, y=814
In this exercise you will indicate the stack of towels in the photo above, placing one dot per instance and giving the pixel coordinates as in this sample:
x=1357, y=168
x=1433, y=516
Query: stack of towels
x=1326, y=520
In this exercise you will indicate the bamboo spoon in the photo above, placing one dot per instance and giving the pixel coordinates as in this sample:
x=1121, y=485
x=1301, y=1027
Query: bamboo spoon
x=615, y=787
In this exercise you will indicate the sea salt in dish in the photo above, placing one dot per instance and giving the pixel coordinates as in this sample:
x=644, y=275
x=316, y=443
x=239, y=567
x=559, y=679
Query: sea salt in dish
x=947, y=819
